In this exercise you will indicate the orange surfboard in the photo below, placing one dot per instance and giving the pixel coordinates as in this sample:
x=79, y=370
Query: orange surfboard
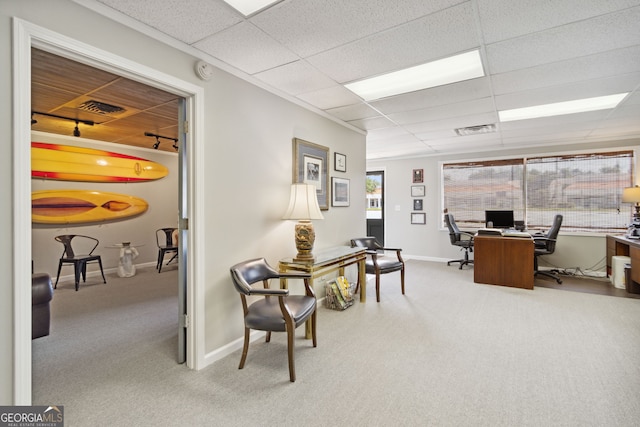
x=83, y=206
x=69, y=163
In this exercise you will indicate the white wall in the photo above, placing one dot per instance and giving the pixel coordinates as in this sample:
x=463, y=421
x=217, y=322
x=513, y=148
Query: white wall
x=431, y=241
x=246, y=149
x=161, y=195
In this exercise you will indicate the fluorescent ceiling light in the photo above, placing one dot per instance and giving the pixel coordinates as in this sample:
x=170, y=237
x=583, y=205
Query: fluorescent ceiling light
x=249, y=7
x=437, y=73
x=560, y=108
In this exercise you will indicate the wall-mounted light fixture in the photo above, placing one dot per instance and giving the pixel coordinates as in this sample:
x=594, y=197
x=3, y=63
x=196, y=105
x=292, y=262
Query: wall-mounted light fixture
x=156, y=145
x=76, y=130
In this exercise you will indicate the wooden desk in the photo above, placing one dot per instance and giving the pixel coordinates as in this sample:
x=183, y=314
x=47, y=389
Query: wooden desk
x=328, y=261
x=620, y=245
x=505, y=261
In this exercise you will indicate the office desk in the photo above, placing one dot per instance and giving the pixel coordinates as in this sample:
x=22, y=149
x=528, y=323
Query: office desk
x=328, y=261
x=620, y=245
x=505, y=261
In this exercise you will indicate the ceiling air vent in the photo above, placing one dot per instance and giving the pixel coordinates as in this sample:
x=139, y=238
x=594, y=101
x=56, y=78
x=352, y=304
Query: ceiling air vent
x=476, y=130
x=100, y=108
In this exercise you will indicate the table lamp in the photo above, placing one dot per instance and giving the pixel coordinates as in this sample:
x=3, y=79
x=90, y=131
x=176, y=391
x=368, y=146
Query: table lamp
x=632, y=195
x=303, y=206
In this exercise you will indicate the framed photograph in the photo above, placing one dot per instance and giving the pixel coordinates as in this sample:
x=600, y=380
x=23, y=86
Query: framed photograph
x=418, y=218
x=418, y=175
x=417, y=191
x=310, y=165
x=417, y=204
x=339, y=192
x=340, y=162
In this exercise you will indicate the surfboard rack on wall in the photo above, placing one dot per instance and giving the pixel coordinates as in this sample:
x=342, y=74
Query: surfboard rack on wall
x=69, y=163
x=83, y=206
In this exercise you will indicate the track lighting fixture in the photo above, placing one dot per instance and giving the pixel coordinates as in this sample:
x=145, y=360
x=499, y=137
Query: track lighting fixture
x=76, y=130
x=157, y=137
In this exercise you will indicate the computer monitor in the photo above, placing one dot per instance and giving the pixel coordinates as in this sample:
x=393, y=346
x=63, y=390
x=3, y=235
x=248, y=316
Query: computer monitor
x=499, y=219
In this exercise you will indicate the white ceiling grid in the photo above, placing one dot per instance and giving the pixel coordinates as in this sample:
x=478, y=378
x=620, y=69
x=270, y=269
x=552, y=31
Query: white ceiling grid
x=534, y=52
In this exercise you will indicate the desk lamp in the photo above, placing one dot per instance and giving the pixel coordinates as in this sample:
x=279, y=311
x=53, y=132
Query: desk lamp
x=303, y=206
x=632, y=195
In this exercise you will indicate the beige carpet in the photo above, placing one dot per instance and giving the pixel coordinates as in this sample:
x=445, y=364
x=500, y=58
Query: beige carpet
x=448, y=353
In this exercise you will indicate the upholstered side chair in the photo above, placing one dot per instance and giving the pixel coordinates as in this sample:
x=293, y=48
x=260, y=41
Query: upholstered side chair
x=377, y=264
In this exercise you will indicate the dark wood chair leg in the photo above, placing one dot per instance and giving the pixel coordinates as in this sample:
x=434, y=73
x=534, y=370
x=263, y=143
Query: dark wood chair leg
x=245, y=348
x=290, y=343
x=402, y=280
x=378, y=287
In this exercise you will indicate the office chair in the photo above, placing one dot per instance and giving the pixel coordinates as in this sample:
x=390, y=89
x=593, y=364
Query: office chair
x=462, y=239
x=78, y=250
x=546, y=245
x=378, y=266
x=277, y=311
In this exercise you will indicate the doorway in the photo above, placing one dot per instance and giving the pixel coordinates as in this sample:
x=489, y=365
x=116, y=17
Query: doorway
x=375, y=205
x=26, y=36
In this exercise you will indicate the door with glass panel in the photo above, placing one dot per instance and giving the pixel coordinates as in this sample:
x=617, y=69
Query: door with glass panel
x=375, y=205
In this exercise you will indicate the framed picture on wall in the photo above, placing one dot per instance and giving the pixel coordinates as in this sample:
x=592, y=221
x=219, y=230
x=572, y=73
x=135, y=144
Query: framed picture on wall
x=418, y=175
x=310, y=165
x=339, y=192
x=339, y=162
x=417, y=204
x=418, y=218
x=417, y=191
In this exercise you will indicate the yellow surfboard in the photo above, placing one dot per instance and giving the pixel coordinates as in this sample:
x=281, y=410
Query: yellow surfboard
x=68, y=163
x=83, y=206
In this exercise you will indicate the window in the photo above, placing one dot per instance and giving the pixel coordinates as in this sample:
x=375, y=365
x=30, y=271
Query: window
x=585, y=188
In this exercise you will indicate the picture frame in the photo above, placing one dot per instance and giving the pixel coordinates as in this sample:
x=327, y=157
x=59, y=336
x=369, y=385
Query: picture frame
x=418, y=218
x=417, y=191
x=340, y=191
x=310, y=166
x=339, y=162
x=417, y=204
x=418, y=175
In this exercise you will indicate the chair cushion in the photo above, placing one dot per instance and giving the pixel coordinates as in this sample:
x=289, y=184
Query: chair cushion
x=385, y=265
x=265, y=314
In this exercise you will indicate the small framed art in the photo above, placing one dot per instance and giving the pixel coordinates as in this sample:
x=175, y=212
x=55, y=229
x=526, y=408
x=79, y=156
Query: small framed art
x=417, y=191
x=339, y=191
x=418, y=175
x=418, y=218
x=310, y=167
x=339, y=162
x=417, y=204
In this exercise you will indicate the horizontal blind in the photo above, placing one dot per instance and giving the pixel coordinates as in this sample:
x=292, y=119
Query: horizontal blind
x=470, y=188
x=586, y=189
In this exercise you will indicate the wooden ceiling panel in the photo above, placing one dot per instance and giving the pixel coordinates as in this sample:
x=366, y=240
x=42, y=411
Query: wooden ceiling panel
x=60, y=86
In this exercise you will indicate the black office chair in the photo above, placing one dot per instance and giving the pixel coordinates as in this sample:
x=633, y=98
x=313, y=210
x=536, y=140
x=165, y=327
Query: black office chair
x=462, y=239
x=546, y=245
x=277, y=311
x=78, y=250
x=378, y=266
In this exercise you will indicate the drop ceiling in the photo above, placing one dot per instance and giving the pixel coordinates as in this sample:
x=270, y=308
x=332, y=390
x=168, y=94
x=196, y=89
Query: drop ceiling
x=533, y=53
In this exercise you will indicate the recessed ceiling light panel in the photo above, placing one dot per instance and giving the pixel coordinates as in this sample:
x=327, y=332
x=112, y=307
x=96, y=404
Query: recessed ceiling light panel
x=251, y=7
x=561, y=108
x=454, y=69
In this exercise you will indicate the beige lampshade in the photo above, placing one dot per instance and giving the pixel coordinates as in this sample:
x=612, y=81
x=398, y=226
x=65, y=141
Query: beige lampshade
x=303, y=203
x=631, y=195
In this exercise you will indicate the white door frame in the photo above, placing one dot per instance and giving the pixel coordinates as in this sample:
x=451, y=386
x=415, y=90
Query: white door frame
x=26, y=35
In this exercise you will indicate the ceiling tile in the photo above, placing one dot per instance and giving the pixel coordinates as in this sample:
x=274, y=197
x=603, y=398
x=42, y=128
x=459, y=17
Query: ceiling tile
x=188, y=24
x=379, y=122
x=330, y=97
x=246, y=48
x=614, y=31
x=478, y=106
x=295, y=78
x=309, y=27
x=354, y=112
x=433, y=37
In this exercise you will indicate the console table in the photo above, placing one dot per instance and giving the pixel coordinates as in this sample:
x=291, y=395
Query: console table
x=327, y=261
x=505, y=261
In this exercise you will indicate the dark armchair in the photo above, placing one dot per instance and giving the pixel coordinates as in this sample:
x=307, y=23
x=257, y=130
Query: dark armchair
x=41, y=296
x=546, y=245
x=78, y=250
x=380, y=265
x=462, y=239
x=277, y=311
